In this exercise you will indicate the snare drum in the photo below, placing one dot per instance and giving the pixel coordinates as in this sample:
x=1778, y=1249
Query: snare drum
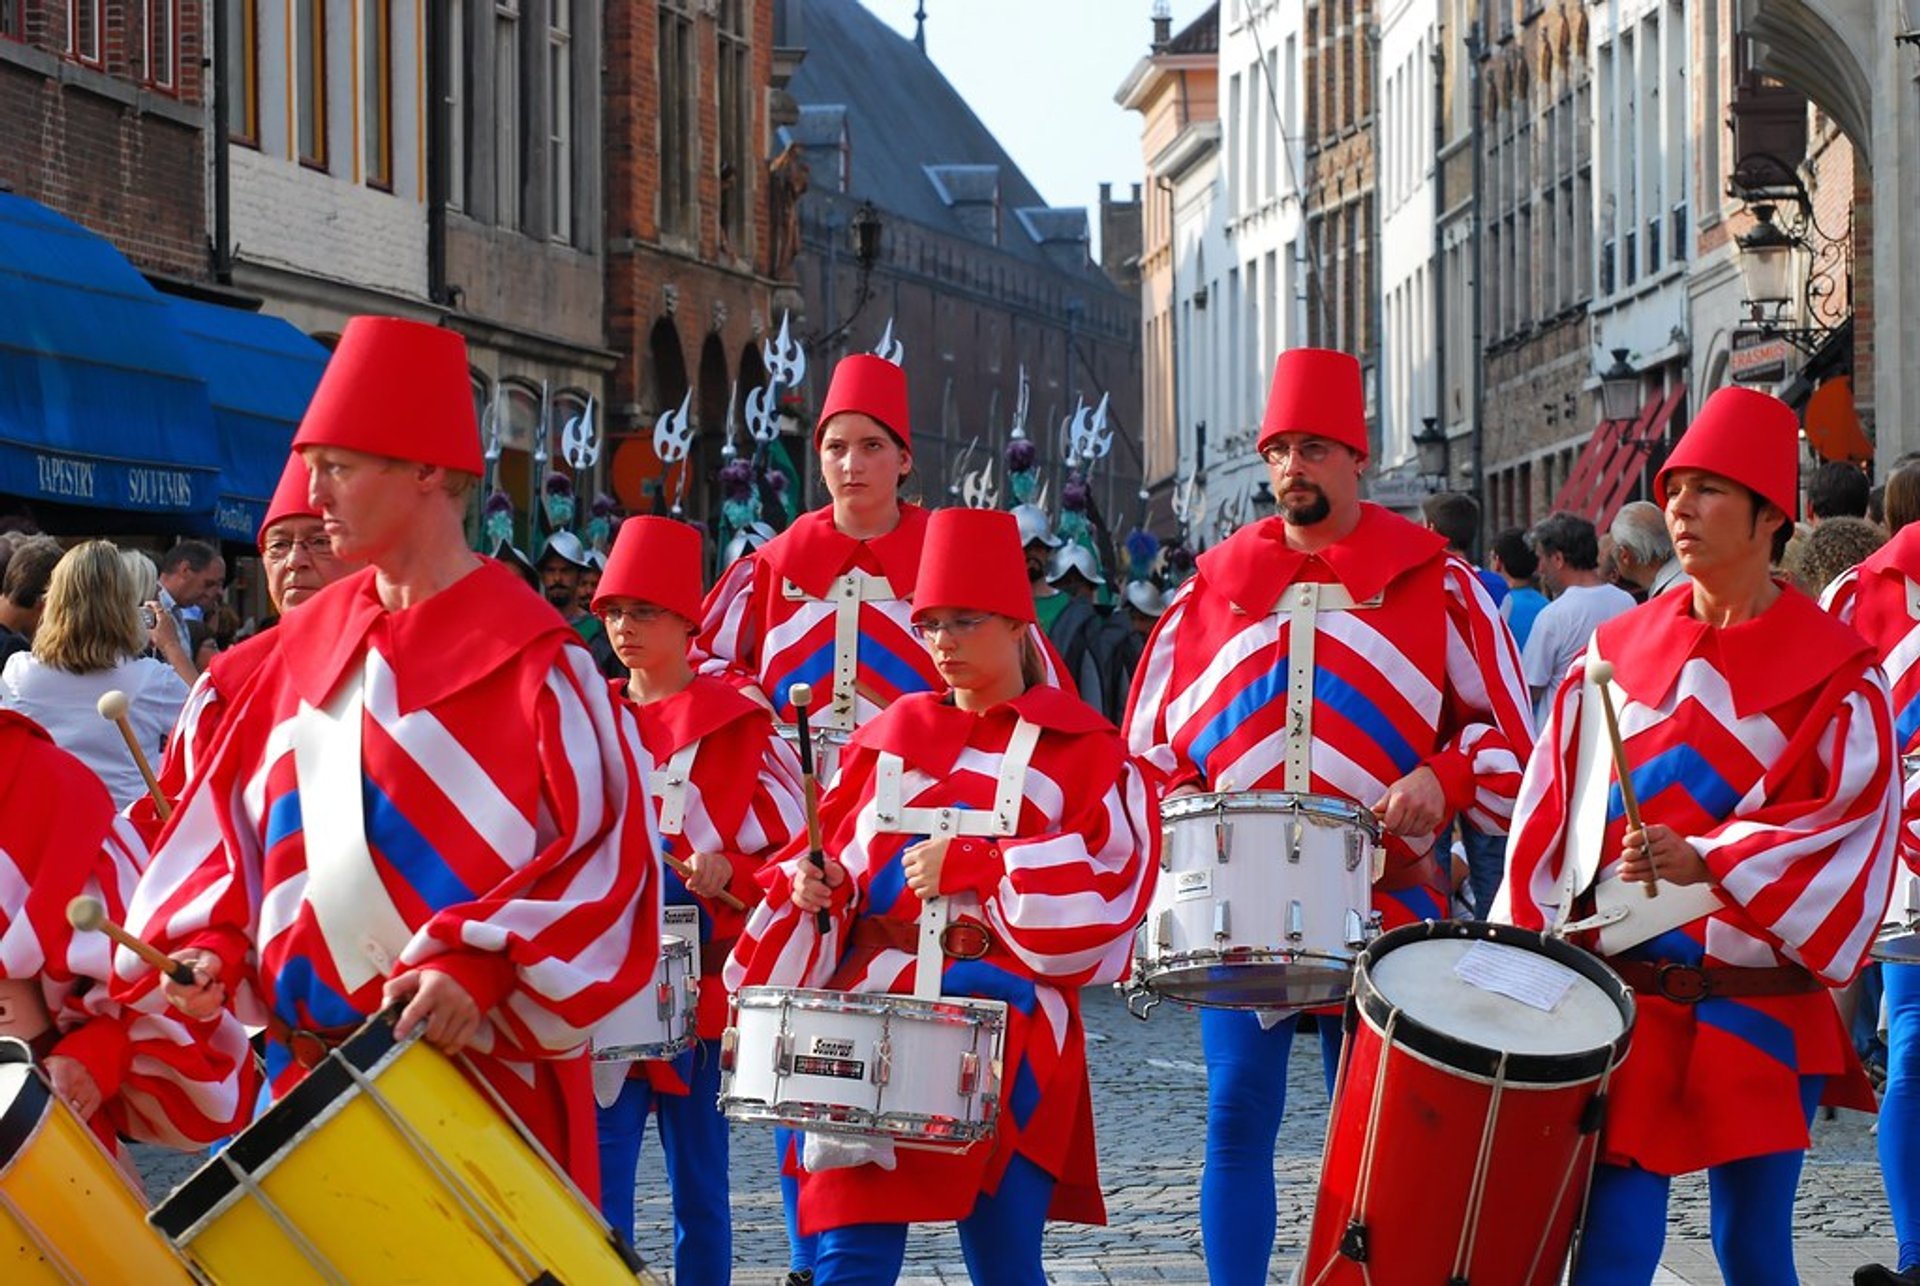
x=1263, y=899
x=386, y=1164
x=828, y=745
x=1467, y=1116
x=1899, y=938
x=658, y=1021
x=925, y=1073
x=67, y=1212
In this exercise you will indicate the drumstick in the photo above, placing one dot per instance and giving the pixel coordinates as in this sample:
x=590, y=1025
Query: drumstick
x=685, y=872
x=113, y=705
x=1600, y=674
x=85, y=913
x=801, y=694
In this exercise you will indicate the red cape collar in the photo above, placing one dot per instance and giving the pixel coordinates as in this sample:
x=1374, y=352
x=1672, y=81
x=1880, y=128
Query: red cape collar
x=703, y=706
x=1880, y=589
x=928, y=732
x=1254, y=564
x=459, y=636
x=812, y=552
x=1788, y=649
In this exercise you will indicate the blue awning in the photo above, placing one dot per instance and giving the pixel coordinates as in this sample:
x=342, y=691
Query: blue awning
x=260, y=372
x=99, y=404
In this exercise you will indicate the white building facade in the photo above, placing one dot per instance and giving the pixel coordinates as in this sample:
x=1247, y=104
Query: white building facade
x=1408, y=97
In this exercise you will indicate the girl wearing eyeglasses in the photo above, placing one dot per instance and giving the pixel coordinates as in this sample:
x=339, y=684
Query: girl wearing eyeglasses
x=726, y=793
x=1041, y=902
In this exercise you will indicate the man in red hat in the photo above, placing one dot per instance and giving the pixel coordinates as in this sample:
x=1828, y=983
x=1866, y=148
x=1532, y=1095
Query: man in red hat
x=424, y=797
x=727, y=794
x=1334, y=649
x=1758, y=735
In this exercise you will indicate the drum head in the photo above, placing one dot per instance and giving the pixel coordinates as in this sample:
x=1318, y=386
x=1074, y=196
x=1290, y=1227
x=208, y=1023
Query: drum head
x=1441, y=978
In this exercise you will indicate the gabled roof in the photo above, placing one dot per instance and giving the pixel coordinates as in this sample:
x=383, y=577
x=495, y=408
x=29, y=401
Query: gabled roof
x=918, y=150
x=1201, y=36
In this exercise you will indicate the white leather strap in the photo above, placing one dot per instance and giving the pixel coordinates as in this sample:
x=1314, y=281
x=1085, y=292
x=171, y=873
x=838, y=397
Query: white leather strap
x=1302, y=603
x=363, y=929
x=932, y=958
x=1009, y=789
x=668, y=786
x=846, y=594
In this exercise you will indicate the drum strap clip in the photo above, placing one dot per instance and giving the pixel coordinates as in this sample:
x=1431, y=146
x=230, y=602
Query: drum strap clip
x=1353, y=1242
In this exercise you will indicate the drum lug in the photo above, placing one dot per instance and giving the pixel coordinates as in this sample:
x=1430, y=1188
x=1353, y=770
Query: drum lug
x=1356, y=848
x=663, y=998
x=783, y=1054
x=969, y=1073
x=882, y=1062
x=1223, y=840
x=1297, y=833
x=1356, y=929
x=1166, y=848
x=1222, y=920
x=729, y=1048
x=1163, y=936
x=1296, y=921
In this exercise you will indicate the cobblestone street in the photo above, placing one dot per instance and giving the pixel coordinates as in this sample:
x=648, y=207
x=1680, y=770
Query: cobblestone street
x=1149, y=1093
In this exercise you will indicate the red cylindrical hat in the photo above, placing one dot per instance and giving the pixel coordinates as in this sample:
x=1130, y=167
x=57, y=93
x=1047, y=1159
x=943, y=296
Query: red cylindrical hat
x=971, y=560
x=655, y=560
x=398, y=389
x=872, y=386
x=1318, y=391
x=291, y=498
x=1750, y=437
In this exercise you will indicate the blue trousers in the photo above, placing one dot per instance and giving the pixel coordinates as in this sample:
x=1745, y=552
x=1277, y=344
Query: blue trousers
x=694, y=1135
x=1751, y=1222
x=1486, y=864
x=802, y=1250
x=1246, y=1095
x=1000, y=1239
x=1900, y=1107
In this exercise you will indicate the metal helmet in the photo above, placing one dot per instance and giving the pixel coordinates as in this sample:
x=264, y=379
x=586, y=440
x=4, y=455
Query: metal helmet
x=744, y=542
x=1034, y=525
x=1144, y=597
x=565, y=545
x=1075, y=558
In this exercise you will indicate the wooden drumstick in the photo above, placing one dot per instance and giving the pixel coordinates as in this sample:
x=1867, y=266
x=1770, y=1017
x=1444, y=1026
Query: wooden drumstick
x=801, y=694
x=85, y=913
x=685, y=872
x=113, y=705
x=1600, y=674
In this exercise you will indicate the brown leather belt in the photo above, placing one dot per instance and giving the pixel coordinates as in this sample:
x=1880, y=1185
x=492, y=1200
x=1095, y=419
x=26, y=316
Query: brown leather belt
x=1690, y=984
x=309, y=1048
x=713, y=956
x=962, y=939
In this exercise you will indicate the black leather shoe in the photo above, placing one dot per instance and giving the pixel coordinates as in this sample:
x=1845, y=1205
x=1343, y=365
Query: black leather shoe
x=1878, y=1275
x=804, y=1277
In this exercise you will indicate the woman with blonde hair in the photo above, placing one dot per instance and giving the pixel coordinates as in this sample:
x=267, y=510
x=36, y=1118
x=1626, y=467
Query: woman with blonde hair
x=90, y=642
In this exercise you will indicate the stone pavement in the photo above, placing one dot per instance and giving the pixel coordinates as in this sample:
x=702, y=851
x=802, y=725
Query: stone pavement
x=1149, y=1089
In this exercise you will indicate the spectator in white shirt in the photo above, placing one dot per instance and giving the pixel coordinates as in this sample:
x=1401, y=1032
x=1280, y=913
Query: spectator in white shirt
x=1569, y=550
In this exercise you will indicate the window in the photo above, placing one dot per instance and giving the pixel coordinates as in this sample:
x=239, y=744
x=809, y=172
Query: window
x=376, y=93
x=158, y=24
x=12, y=22
x=736, y=124
x=677, y=141
x=242, y=56
x=310, y=80
x=457, y=99
x=507, y=209
x=83, y=30
x=560, y=120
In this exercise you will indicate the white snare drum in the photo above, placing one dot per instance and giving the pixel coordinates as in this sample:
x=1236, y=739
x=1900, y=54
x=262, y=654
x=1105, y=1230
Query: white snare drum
x=1264, y=899
x=658, y=1022
x=828, y=745
x=925, y=1073
x=1899, y=938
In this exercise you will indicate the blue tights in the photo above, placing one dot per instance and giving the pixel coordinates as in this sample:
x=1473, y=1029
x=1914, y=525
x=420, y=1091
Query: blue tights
x=1000, y=1239
x=1752, y=1219
x=1246, y=1095
x=1900, y=1107
x=802, y=1250
x=694, y=1135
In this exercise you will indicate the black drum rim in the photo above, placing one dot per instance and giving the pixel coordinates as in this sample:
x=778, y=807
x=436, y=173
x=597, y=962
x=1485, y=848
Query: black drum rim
x=1464, y=1056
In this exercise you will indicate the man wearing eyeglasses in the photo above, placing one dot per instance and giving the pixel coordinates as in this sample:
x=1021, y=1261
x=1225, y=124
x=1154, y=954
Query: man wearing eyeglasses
x=1334, y=649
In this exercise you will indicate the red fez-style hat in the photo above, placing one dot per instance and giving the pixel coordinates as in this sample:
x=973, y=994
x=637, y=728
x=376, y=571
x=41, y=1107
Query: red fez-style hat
x=1750, y=437
x=872, y=386
x=1317, y=391
x=398, y=389
x=291, y=499
x=656, y=560
x=971, y=560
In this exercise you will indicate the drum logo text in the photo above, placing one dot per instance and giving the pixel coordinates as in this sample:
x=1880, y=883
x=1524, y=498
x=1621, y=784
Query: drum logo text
x=1189, y=885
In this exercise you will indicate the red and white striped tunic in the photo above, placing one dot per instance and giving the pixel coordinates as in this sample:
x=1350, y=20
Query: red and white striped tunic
x=1061, y=897
x=1767, y=745
x=1427, y=675
x=162, y=1079
x=504, y=814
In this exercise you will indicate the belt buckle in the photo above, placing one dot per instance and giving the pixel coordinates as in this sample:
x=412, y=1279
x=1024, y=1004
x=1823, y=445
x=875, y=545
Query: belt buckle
x=309, y=1049
x=965, y=940
x=1684, y=984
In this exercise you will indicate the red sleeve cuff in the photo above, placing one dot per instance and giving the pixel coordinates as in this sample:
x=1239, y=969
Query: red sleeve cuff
x=973, y=865
x=1455, y=772
x=101, y=1046
x=229, y=946
x=487, y=976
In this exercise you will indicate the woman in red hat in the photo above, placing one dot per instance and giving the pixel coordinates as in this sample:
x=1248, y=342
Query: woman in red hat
x=1041, y=902
x=726, y=791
